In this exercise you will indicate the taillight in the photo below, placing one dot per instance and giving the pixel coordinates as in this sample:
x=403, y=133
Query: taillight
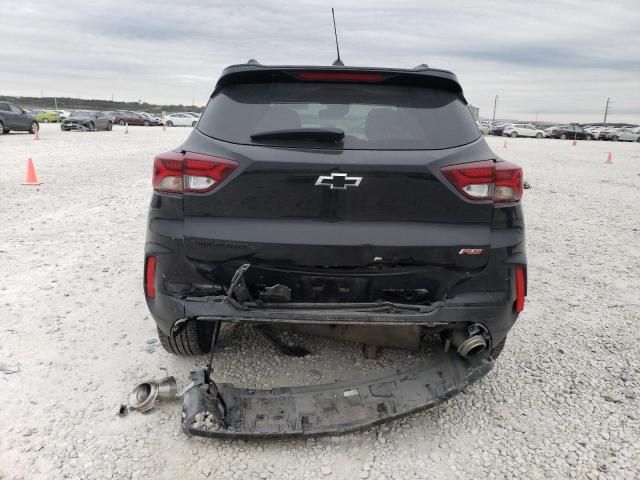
x=521, y=289
x=189, y=172
x=486, y=180
x=150, y=277
x=341, y=76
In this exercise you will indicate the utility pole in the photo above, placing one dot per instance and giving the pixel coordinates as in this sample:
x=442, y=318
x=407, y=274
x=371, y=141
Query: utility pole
x=495, y=104
x=606, y=111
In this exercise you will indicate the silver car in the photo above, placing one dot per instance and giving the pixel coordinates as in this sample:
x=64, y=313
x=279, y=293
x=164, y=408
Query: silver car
x=624, y=135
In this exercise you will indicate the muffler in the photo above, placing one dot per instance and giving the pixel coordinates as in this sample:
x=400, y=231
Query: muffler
x=470, y=343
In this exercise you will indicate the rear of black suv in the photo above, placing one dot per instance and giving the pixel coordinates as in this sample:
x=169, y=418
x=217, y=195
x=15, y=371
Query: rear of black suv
x=336, y=195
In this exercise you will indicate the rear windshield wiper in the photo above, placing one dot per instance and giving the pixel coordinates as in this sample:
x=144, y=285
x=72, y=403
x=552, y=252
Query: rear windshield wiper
x=320, y=134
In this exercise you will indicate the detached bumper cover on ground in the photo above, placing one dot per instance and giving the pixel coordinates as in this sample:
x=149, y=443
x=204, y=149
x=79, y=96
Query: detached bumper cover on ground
x=334, y=408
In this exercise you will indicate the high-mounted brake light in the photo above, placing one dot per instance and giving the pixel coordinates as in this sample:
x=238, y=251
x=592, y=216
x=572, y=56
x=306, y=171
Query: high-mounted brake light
x=150, y=277
x=521, y=289
x=341, y=76
x=189, y=172
x=500, y=182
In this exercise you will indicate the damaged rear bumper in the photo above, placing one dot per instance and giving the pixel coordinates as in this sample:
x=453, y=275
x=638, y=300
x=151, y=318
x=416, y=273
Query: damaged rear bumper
x=329, y=409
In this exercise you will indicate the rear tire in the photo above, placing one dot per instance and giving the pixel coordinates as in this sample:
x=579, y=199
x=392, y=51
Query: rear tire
x=109, y=126
x=33, y=128
x=514, y=134
x=497, y=350
x=193, y=124
x=614, y=138
x=563, y=137
x=193, y=339
x=169, y=123
x=122, y=123
x=539, y=135
x=92, y=126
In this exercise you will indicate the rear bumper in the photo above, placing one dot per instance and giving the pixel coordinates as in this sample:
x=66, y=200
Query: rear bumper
x=496, y=314
x=334, y=408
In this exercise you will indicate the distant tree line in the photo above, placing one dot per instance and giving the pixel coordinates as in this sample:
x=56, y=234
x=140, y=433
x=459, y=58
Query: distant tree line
x=67, y=103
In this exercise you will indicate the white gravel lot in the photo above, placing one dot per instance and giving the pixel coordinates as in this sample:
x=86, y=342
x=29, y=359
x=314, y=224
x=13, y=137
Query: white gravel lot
x=562, y=402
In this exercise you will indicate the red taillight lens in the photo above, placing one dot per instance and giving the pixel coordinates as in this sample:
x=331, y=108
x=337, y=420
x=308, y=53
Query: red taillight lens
x=341, y=76
x=521, y=289
x=486, y=180
x=150, y=277
x=189, y=172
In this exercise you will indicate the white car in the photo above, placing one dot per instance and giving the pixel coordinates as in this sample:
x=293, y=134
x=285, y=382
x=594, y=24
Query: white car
x=179, y=120
x=523, y=130
x=483, y=128
x=624, y=135
x=193, y=114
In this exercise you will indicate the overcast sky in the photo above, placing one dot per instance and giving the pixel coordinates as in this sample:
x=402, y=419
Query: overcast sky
x=558, y=59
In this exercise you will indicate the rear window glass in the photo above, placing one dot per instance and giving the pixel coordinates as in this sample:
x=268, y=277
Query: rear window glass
x=371, y=116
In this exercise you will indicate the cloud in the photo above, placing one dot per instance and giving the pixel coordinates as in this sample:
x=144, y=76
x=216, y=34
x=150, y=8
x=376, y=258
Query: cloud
x=558, y=59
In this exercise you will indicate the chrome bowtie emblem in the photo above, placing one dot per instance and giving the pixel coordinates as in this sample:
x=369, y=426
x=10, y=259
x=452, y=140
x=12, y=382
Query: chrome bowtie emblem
x=338, y=181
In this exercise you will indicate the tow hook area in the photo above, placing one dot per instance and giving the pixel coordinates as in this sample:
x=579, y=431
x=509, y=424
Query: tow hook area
x=469, y=342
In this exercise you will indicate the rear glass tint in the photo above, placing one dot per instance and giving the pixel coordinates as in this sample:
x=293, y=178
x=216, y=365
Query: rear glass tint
x=372, y=116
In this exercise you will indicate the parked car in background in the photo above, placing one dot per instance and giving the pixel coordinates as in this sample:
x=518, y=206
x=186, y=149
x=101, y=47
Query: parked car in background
x=13, y=117
x=522, y=130
x=124, y=117
x=87, y=121
x=624, y=135
x=484, y=129
x=62, y=114
x=153, y=119
x=498, y=128
x=571, y=132
x=46, y=116
x=180, y=120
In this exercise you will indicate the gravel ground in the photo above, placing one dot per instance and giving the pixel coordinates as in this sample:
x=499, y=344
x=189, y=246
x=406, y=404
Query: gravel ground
x=562, y=402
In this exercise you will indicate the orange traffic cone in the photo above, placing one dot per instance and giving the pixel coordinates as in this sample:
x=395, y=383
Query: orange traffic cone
x=37, y=134
x=609, y=159
x=574, y=142
x=505, y=144
x=32, y=178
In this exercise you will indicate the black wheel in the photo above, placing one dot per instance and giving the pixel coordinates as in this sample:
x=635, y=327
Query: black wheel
x=109, y=126
x=514, y=134
x=193, y=124
x=587, y=137
x=32, y=129
x=497, y=350
x=146, y=123
x=193, y=339
x=1, y=128
x=122, y=123
x=45, y=120
x=563, y=136
x=539, y=135
x=638, y=140
x=92, y=126
x=614, y=138
x=169, y=123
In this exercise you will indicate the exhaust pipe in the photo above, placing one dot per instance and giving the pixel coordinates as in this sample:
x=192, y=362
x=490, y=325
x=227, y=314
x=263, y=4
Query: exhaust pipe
x=470, y=343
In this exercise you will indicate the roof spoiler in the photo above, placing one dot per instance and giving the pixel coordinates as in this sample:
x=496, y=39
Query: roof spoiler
x=420, y=76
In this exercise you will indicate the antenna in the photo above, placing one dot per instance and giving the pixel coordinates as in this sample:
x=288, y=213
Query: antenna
x=338, y=62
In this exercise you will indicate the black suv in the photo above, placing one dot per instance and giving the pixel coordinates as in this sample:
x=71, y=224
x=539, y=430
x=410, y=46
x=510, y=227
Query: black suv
x=336, y=195
x=12, y=117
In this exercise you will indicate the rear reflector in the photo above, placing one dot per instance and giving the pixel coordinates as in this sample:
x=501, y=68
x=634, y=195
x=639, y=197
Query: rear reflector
x=150, y=277
x=521, y=289
x=341, y=76
x=189, y=172
x=486, y=180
